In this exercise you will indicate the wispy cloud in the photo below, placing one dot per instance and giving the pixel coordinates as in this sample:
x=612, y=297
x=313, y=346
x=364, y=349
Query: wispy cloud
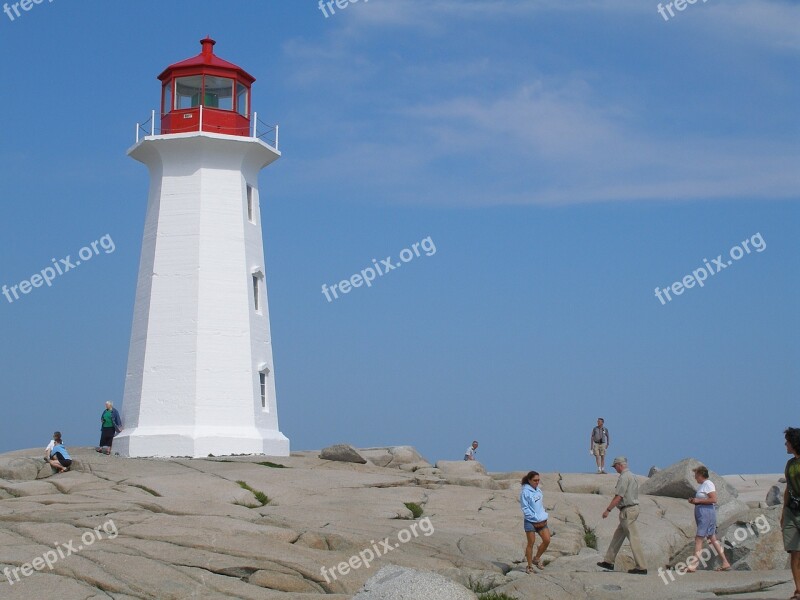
x=489, y=127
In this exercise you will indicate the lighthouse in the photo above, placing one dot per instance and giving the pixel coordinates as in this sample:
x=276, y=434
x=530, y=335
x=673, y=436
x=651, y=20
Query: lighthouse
x=200, y=377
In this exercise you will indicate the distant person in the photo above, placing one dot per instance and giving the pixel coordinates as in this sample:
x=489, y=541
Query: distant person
x=110, y=425
x=59, y=458
x=49, y=448
x=790, y=517
x=470, y=453
x=531, y=501
x=705, y=515
x=599, y=442
x=627, y=500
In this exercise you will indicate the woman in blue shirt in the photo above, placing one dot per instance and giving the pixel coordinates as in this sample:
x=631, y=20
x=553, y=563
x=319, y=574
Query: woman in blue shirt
x=59, y=457
x=531, y=501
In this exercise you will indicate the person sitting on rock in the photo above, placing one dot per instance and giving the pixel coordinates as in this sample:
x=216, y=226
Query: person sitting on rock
x=49, y=447
x=59, y=457
x=469, y=454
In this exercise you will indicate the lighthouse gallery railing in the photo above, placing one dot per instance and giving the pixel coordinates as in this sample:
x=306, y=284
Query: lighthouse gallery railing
x=260, y=130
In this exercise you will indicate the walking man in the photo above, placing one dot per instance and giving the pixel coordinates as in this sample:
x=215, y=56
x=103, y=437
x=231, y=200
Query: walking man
x=599, y=443
x=627, y=500
x=790, y=517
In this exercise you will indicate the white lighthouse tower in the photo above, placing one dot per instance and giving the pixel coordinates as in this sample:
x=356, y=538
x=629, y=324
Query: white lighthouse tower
x=200, y=374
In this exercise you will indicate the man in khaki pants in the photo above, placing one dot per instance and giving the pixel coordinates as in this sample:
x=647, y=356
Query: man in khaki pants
x=627, y=500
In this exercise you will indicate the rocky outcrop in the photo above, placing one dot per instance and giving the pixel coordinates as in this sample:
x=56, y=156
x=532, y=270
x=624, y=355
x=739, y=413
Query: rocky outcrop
x=241, y=527
x=342, y=453
x=400, y=583
x=774, y=496
x=395, y=457
x=467, y=473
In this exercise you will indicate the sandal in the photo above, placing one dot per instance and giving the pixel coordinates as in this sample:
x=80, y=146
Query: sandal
x=720, y=569
x=539, y=564
x=529, y=569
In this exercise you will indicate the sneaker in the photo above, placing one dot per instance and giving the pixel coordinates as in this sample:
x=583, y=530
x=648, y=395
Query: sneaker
x=606, y=565
x=637, y=571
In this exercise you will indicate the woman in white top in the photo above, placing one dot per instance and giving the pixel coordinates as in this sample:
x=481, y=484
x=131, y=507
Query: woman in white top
x=705, y=514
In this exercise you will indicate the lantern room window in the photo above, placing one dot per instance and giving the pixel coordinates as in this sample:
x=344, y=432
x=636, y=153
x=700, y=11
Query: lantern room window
x=187, y=91
x=167, y=105
x=241, y=100
x=218, y=93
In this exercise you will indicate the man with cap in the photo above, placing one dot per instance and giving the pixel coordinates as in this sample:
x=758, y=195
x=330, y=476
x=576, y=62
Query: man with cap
x=626, y=498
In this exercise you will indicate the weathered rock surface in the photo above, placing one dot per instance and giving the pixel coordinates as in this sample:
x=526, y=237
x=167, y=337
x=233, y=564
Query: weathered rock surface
x=774, y=496
x=395, y=457
x=186, y=528
x=400, y=583
x=342, y=453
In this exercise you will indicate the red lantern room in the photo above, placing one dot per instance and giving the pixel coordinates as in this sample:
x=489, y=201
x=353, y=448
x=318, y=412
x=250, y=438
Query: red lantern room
x=205, y=93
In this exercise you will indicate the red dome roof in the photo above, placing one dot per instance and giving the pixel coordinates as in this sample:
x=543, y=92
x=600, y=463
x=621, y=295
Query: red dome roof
x=206, y=58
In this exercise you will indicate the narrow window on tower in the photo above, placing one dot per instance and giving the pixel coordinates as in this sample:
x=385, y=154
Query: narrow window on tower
x=263, y=380
x=251, y=211
x=256, y=293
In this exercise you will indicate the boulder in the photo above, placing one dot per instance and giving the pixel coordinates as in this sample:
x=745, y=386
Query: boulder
x=395, y=457
x=774, y=496
x=399, y=583
x=461, y=467
x=466, y=472
x=755, y=542
x=18, y=468
x=342, y=453
x=677, y=481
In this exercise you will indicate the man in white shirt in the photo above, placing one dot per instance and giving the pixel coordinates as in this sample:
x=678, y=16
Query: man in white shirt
x=470, y=453
x=52, y=443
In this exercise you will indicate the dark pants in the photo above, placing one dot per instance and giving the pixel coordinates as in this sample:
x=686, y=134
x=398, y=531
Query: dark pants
x=65, y=462
x=106, y=437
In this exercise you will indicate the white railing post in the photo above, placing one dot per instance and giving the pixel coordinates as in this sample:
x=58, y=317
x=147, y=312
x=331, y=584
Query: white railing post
x=137, y=133
x=255, y=124
x=152, y=122
x=276, y=137
x=201, y=118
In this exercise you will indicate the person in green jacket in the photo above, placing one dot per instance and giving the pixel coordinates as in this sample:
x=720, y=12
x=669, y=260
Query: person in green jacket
x=110, y=425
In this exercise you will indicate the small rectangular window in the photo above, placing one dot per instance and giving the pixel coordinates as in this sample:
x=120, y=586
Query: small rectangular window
x=251, y=213
x=263, y=380
x=256, y=294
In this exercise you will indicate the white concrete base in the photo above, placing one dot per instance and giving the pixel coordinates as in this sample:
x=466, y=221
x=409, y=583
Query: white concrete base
x=199, y=442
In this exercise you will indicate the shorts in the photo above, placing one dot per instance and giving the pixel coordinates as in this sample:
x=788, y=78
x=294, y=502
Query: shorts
x=791, y=530
x=531, y=526
x=65, y=462
x=599, y=449
x=705, y=515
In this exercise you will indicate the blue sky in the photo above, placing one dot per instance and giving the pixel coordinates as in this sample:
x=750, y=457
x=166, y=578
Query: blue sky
x=565, y=157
